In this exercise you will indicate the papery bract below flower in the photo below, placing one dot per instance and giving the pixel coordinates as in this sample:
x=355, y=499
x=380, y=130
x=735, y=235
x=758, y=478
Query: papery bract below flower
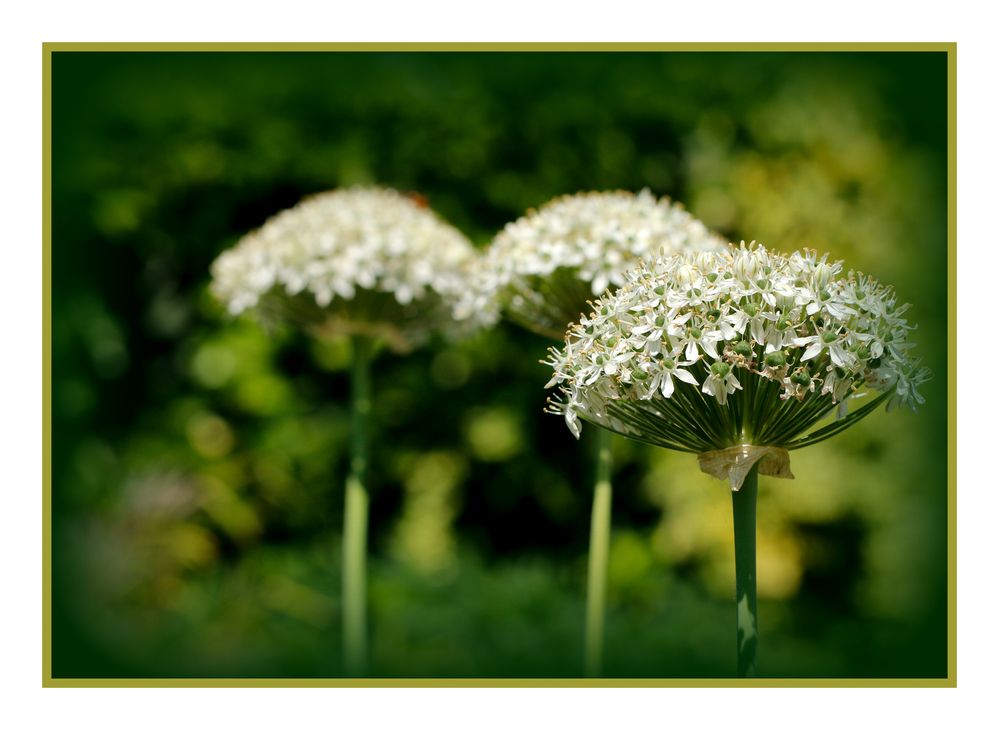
x=768, y=346
x=367, y=261
x=543, y=268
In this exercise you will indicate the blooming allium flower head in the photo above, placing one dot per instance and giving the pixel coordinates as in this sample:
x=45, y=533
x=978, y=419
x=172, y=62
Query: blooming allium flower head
x=542, y=269
x=703, y=351
x=359, y=260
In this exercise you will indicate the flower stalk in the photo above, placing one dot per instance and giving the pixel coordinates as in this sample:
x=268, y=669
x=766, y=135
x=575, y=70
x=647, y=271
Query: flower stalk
x=596, y=583
x=367, y=263
x=744, y=524
x=355, y=521
x=540, y=272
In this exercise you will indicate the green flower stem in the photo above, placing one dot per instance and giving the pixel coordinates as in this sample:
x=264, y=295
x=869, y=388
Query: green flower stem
x=596, y=584
x=744, y=519
x=355, y=520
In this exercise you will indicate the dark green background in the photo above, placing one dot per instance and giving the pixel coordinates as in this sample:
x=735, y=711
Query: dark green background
x=198, y=462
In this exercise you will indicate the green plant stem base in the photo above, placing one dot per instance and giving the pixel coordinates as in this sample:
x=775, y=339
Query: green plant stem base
x=355, y=521
x=596, y=584
x=744, y=521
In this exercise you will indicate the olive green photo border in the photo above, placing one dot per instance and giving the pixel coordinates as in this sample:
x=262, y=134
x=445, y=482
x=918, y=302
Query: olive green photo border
x=49, y=48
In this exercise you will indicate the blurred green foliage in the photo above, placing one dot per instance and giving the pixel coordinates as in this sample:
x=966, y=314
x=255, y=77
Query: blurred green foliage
x=198, y=462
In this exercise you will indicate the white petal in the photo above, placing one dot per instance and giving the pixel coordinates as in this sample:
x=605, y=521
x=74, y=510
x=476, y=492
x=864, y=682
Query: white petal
x=685, y=376
x=667, y=386
x=814, y=349
x=691, y=350
x=572, y=422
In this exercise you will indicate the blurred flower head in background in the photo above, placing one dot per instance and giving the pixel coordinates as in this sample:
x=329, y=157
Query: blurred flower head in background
x=707, y=350
x=541, y=269
x=360, y=260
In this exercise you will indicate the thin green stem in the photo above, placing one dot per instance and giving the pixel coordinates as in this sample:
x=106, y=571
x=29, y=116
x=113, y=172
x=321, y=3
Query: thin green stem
x=355, y=520
x=836, y=426
x=596, y=584
x=744, y=519
x=659, y=428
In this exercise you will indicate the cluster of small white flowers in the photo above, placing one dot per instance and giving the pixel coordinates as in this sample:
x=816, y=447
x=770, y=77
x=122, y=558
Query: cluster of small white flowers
x=332, y=245
x=725, y=323
x=542, y=268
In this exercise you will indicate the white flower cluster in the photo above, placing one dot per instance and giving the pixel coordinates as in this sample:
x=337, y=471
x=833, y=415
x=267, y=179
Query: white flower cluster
x=541, y=269
x=367, y=255
x=706, y=350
